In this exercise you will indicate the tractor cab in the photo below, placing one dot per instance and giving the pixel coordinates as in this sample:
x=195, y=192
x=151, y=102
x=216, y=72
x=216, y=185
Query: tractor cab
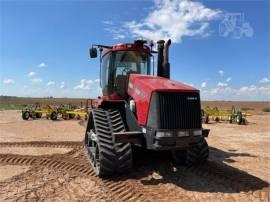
x=118, y=62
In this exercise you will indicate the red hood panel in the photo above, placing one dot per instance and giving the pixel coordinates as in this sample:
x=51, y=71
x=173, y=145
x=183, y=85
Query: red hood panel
x=140, y=88
x=160, y=83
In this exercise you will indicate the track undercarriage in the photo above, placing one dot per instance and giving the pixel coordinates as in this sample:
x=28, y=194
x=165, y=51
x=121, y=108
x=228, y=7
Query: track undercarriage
x=108, y=157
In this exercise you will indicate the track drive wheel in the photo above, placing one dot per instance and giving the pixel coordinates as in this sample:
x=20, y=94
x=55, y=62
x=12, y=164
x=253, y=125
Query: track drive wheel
x=195, y=154
x=106, y=157
x=26, y=115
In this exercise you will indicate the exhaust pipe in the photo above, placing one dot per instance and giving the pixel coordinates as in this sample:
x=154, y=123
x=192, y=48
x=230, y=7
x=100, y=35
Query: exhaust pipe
x=166, y=63
x=160, y=58
x=163, y=65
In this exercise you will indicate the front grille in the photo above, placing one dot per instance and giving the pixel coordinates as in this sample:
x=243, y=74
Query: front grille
x=175, y=110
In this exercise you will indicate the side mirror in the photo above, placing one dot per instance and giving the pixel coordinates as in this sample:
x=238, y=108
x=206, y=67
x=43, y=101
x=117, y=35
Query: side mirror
x=93, y=52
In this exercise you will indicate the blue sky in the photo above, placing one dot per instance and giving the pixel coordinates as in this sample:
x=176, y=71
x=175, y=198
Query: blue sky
x=220, y=47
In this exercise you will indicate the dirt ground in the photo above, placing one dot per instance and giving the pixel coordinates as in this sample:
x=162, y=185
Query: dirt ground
x=45, y=160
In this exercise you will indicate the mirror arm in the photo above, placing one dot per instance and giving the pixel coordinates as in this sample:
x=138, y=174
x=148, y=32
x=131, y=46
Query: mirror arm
x=102, y=46
x=100, y=60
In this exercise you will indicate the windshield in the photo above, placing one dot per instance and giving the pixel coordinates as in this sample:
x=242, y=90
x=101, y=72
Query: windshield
x=125, y=63
x=116, y=66
x=131, y=62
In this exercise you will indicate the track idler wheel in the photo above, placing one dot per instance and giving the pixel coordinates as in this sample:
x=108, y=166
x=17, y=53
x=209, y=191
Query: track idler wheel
x=105, y=156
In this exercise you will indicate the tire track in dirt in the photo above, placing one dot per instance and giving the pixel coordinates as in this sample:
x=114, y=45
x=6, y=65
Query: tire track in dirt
x=120, y=189
x=116, y=190
x=61, y=144
x=50, y=185
x=53, y=162
x=133, y=187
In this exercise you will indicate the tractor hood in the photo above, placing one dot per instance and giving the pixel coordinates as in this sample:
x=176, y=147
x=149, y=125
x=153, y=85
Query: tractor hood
x=141, y=87
x=154, y=83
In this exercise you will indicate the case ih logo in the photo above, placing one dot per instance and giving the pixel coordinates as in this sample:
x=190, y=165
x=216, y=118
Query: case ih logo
x=192, y=98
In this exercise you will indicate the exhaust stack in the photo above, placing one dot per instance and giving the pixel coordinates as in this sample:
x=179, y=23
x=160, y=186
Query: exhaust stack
x=163, y=65
x=166, y=63
x=160, y=58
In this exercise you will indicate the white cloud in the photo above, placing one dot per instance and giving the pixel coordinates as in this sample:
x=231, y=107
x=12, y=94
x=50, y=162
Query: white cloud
x=107, y=22
x=42, y=65
x=174, y=20
x=220, y=84
x=87, y=84
x=50, y=83
x=251, y=93
x=62, y=85
x=221, y=72
x=8, y=81
x=36, y=80
x=116, y=31
x=264, y=90
x=228, y=79
x=203, y=85
x=117, y=36
x=251, y=88
x=31, y=74
x=264, y=80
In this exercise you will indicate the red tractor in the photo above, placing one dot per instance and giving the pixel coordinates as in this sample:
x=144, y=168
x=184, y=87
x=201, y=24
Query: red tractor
x=138, y=108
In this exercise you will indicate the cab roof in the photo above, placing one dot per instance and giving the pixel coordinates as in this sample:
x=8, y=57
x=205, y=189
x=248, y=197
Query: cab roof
x=127, y=47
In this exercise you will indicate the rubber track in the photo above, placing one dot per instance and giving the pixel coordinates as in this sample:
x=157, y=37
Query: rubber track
x=62, y=144
x=114, y=158
x=197, y=153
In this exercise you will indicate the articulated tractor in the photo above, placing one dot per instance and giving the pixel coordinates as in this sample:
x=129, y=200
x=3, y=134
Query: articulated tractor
x=139, y=108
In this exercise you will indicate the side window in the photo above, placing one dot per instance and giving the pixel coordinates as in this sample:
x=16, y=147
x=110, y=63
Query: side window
x=105, y=73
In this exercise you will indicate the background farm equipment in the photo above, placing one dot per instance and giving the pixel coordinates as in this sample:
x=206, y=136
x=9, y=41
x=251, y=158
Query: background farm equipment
x=71, y=112
x=53, y=112
x=233, y=115
x=32, y=111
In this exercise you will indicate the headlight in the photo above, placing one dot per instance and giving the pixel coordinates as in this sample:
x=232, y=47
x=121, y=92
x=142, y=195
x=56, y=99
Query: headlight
x=164, y=134
x=197, y=132
x=182, y=133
